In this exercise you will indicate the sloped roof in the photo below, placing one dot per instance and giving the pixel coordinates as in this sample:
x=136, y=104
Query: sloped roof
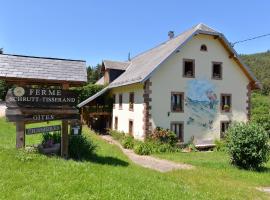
x=100, y=81
x=42, y=68
x=143, y=65
x=109, y=64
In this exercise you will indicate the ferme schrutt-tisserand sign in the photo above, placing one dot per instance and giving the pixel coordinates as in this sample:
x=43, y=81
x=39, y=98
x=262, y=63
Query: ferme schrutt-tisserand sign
x=40, y=97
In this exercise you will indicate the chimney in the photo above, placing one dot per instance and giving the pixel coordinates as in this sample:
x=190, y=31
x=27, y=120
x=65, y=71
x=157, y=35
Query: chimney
x=171, y=34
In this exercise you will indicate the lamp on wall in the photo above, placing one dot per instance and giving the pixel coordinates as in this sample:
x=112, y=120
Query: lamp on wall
x=169, y=114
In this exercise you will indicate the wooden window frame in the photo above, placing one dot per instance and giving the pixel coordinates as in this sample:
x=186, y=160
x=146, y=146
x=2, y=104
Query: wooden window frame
x=131, y=133
x=222, y=134
x=202, y=49
x=116, y=124
x=182, y=102
x=193, y=67
x=131, y=108
x=120, y=104
x=221, y=106
x=221, y=70
x=182, y=129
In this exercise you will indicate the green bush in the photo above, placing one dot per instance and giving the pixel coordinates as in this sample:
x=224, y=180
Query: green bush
x=248, y=145
x=87, y=91
x=117, y=135
x=164, y=148
x=142, y=148
x=3, y=90
x=80, y=148
x=263, y=120
x=164, y=136
x=127, y=142
x=220, y=145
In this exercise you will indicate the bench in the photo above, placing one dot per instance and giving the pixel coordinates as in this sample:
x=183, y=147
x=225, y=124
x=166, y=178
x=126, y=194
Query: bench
x=204, y=143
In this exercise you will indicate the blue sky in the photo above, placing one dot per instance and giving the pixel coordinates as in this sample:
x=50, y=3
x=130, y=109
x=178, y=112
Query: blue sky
x=93, y=30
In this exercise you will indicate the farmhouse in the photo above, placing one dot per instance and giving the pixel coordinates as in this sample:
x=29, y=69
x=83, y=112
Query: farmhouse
x=194, y=84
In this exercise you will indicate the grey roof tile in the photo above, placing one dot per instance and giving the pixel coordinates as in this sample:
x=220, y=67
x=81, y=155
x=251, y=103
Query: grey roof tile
x=115, y=64
x=144, y=64
x=17, y=66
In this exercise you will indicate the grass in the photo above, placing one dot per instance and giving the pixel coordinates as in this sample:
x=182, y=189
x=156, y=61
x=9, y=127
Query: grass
x=110, y=175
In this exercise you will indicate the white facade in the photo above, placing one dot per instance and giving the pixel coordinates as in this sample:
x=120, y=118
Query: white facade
x=197, y=121
x=124, y=114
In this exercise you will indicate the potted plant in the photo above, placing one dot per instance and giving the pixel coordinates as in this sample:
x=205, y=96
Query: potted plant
x=50, y=144
x=226, y=108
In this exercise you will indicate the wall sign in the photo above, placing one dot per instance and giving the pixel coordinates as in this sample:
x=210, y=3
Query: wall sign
x=40, y=97
x=45, y=129
x=41, y=117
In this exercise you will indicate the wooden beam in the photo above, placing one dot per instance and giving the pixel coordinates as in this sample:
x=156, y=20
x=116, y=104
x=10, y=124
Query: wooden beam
x=64, y=138
x=20, y=135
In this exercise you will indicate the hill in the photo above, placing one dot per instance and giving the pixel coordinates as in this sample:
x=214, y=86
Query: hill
x=260, y=65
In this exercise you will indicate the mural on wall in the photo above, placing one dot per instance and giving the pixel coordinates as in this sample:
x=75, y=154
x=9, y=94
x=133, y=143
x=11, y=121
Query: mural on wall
x=202, y=103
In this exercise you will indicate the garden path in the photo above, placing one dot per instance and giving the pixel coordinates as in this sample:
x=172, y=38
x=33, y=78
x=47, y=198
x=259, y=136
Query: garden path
x=148, y=161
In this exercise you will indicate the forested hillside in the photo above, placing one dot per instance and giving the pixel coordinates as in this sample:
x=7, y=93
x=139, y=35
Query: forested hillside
x=260, y=65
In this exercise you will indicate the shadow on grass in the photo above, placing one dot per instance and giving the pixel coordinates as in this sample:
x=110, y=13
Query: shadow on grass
x=108, y=160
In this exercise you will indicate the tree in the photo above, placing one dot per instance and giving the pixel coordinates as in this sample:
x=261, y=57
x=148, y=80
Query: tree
x=3, y=89
x=94, y=73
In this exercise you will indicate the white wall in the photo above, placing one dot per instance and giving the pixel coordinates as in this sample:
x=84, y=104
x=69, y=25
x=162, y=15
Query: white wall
x=2, y=109
x=169, y=78
x=124, y=114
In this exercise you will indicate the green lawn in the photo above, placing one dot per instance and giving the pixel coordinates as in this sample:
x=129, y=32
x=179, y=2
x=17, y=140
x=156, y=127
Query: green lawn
x=112, y=176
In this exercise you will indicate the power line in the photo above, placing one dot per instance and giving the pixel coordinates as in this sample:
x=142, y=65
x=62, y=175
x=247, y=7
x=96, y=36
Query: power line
x=241, y=41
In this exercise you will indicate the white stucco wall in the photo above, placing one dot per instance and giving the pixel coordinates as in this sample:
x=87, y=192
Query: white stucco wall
x=2, y=109
x=124, y=114
x=169, y=78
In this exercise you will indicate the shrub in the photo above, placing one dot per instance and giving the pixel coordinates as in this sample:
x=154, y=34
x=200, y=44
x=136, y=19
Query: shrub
x=220, y=145
x=164, y=136
x=117, y=135
x=142, y=148
x=87, y=91
x=248, y=145
x=127, y=142
x=80, y=148
x=164, y=148
x=3, y=90
x=263, y=120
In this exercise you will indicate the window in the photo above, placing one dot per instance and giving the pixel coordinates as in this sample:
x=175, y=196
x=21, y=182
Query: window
x=224, y=125
x=226, y=102
x=131, y=101
x=189, y=68
x=177, y=102
x=203, y=47
x=114, y=100
x=177, y=128
x=120, y=101
x=115, y=123
x=217, y=70
x=130, y=127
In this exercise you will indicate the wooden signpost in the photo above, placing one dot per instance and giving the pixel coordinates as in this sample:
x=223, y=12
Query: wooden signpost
x=30, y=105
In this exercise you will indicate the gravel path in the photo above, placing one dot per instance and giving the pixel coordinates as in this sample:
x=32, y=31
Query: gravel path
x=148, y=161
x=264, y=189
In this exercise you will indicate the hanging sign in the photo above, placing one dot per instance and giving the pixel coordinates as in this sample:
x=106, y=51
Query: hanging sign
x=38, y=97
x=45, y=129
